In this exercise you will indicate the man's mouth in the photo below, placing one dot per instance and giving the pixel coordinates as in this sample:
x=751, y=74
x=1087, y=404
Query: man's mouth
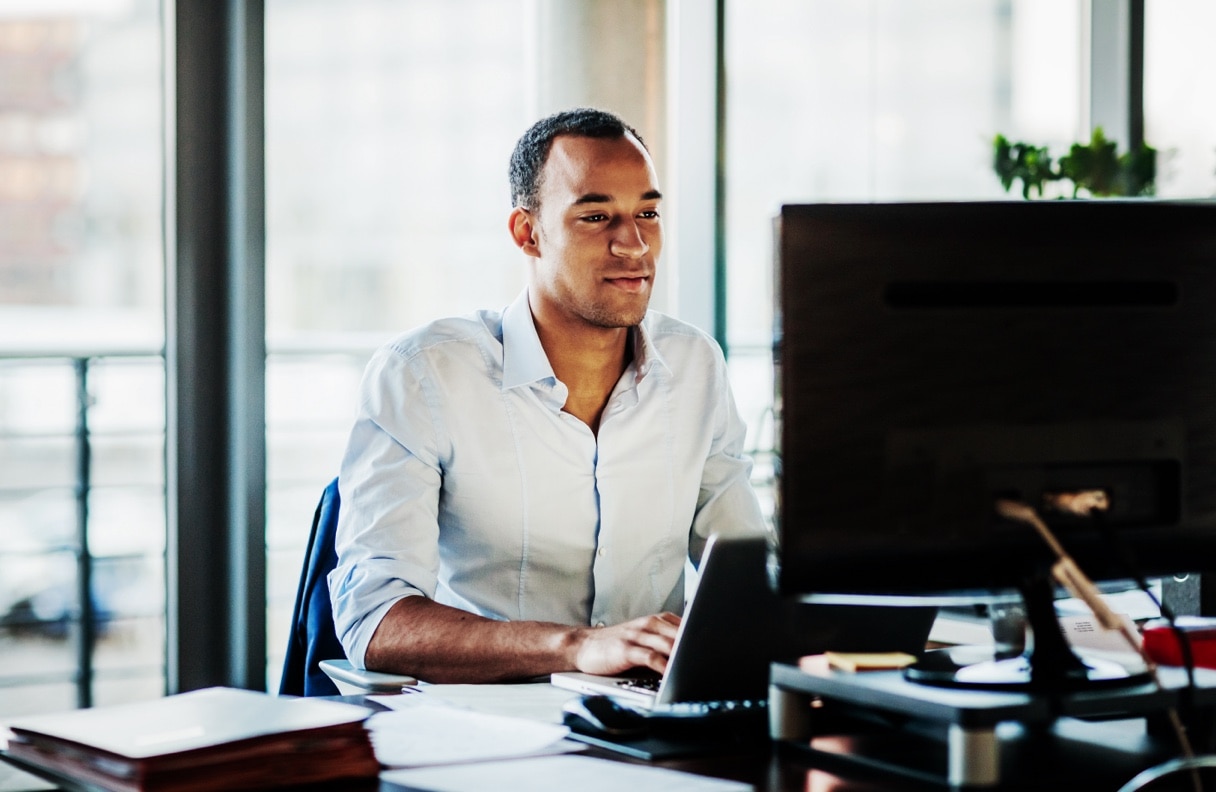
x=630, y=284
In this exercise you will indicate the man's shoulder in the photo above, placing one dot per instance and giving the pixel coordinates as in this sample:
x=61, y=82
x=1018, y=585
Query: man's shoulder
x=475, y=329
x=666, y=330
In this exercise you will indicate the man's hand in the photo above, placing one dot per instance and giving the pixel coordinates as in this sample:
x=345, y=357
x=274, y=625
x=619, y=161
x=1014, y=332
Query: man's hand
x=644, y=643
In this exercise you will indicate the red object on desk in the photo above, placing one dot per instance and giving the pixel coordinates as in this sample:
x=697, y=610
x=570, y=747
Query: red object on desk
x=1161, y=642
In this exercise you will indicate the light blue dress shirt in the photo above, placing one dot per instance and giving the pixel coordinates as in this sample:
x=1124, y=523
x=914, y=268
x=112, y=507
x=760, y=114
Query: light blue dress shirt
x=465, y=482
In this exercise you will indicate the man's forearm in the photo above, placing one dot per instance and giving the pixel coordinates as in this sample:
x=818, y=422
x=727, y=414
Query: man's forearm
x=439, y=643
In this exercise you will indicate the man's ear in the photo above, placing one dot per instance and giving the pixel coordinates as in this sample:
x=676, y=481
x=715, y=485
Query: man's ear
x=523, y=231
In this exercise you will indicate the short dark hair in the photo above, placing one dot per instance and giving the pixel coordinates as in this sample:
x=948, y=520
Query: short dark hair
x=528, y=158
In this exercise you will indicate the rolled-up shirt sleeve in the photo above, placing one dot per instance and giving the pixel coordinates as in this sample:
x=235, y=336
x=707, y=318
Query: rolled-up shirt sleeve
x=389, y=482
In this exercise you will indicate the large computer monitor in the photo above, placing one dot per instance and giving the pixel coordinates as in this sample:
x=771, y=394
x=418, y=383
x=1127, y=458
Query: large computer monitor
x=934, y=358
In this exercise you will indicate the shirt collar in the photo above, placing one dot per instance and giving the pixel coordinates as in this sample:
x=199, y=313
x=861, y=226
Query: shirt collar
x=525, y=361
x=646, y=355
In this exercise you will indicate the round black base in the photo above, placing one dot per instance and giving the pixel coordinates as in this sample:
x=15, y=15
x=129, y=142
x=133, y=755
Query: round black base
x=966, y=667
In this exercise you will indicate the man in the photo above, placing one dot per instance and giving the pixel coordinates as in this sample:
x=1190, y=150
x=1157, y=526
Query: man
x=521, y=488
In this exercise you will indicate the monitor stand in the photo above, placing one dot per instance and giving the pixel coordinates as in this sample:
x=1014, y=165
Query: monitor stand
x=968, y=738
x=1048, y=665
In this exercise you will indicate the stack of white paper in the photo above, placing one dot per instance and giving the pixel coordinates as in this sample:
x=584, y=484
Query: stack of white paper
x=434, y=733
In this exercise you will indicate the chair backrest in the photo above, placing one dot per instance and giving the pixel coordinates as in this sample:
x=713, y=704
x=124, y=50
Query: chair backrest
x=312, y=620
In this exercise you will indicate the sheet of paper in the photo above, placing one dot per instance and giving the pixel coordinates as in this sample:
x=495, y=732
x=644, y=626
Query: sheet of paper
x=1086, y=634
x=435, y=733
x=537, y=701
x=558, y=774
x=1135, y=603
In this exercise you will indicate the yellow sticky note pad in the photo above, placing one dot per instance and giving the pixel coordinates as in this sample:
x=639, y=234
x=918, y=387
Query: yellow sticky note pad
x=869, y=661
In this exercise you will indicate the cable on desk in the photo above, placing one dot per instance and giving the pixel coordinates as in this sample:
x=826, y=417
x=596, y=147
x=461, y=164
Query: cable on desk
x=1191, y=765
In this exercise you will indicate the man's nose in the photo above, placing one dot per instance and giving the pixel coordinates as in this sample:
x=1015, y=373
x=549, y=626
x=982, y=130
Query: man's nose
x=627, y=240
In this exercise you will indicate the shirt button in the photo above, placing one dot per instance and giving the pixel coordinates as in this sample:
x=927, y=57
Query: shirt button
x=600, y=624
x=600, y=552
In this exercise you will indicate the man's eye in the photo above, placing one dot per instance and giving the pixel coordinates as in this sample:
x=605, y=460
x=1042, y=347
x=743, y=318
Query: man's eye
x=650, y=214
x=595, y=218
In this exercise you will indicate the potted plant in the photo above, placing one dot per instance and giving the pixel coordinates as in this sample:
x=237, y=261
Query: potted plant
x=1095, y=168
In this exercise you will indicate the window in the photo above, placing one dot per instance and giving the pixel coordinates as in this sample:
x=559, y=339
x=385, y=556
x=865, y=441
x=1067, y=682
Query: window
x=887, y=100
x=389, y=126
x=1179, y=83
x=82, y=496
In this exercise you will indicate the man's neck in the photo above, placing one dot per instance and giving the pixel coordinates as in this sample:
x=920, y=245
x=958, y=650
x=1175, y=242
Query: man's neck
x=589, y=362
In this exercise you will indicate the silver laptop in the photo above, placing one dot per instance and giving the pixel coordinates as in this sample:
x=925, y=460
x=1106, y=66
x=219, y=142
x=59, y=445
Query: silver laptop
x=735, y=626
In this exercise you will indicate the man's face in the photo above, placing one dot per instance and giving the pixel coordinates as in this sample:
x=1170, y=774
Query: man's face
x=596, y=234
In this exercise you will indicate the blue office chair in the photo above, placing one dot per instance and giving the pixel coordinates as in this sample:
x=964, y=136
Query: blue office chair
x=312, y=637
x=316, y=664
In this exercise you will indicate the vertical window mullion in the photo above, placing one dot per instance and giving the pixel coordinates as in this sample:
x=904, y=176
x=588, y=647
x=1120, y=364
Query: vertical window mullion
x=86, y=626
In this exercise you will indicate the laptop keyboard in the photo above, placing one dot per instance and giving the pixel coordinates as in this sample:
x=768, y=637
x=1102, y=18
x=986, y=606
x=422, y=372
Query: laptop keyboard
x=688, y=709
x=640, y=684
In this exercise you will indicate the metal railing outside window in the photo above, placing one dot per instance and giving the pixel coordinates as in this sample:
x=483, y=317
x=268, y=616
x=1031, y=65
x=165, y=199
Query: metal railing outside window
x=82, y=514
x=310, y=404
x=82, y=528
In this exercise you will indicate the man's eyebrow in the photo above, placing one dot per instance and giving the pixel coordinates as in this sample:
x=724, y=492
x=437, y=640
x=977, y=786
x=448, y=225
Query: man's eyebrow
x=593, y=198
